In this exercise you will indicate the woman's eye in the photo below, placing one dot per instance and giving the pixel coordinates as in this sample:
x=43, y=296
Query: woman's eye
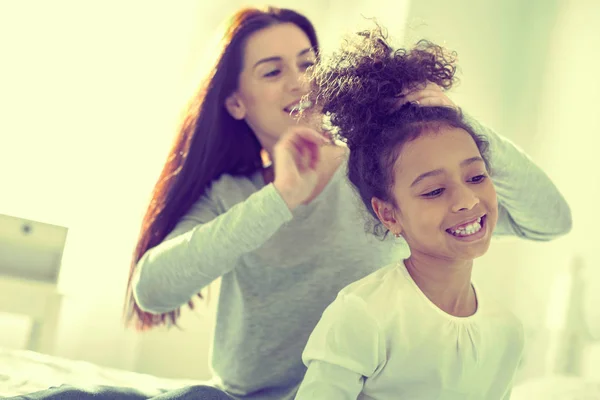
x=307, y=65
x=434, y=193
x=272, y=73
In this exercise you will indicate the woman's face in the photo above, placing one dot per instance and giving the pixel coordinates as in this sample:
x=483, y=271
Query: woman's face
x=272, y=82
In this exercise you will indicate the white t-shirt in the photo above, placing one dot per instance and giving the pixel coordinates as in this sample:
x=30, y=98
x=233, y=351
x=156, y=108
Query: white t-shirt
x=382, y=338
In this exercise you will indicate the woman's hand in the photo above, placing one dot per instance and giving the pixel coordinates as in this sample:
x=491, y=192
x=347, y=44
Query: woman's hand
x=429, y=95
x=297, y=158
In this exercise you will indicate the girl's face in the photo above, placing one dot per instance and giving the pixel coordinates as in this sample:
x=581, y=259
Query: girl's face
x=446, y=205
x=272, y=81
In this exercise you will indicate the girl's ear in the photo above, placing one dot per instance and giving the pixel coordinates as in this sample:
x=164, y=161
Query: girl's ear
x=386, y=213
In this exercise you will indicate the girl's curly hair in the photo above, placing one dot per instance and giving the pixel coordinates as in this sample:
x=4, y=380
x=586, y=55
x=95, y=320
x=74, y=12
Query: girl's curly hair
x=359, y=88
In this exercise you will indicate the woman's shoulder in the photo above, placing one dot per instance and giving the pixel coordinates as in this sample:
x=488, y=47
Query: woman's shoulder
x=222, y=194
x=229, y=186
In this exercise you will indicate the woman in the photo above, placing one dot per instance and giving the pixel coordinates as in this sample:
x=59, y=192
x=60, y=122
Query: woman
x=283, y=237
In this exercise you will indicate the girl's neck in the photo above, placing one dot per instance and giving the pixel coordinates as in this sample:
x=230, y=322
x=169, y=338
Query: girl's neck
x=446, y=283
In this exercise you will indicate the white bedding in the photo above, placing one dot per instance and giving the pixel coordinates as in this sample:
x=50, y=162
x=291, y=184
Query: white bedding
x=558, y=388
x=24, y=372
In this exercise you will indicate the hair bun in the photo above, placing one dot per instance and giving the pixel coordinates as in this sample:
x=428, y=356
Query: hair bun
x=360, y=85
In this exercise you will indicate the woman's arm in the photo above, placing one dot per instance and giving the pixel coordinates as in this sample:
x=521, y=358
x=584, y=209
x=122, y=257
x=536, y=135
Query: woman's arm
x=204, y=246
x=530, y=205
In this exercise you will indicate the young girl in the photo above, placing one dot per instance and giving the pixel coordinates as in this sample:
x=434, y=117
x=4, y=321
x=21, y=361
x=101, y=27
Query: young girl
x=417, y=328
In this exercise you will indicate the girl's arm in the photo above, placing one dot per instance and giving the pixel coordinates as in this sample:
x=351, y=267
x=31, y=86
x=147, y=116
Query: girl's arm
x=344, y=350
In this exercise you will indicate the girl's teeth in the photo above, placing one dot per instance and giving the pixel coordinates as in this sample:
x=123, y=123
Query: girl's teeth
x=470, y=229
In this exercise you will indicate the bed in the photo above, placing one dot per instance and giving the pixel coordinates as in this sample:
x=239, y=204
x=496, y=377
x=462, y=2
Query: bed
x=558, y=387
x=23, y=371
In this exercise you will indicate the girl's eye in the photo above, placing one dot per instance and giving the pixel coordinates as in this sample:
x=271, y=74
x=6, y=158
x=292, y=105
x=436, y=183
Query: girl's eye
x=478, y=178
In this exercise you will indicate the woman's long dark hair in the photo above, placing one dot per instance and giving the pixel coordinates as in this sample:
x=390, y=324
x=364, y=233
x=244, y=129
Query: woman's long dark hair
x=210, y=143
